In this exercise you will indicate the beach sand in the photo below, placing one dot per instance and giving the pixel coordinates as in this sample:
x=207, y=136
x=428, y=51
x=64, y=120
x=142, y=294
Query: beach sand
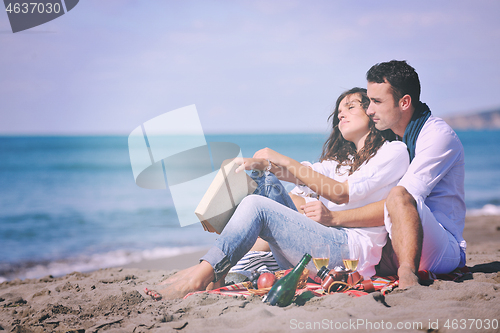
x=113, y=300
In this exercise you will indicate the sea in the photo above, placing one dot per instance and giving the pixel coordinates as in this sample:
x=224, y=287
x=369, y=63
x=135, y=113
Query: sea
x=70, y=203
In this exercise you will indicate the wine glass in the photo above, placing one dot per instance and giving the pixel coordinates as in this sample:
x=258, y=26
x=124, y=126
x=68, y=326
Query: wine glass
x=350, y=256
x=321, y=255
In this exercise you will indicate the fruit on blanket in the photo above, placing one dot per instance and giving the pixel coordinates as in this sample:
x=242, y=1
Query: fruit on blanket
x=266, y=280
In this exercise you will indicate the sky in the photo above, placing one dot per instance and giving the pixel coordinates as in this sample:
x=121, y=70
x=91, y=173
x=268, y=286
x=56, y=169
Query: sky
x=267, y=66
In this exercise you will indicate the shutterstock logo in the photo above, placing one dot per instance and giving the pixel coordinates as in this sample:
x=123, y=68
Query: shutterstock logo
x=26, y=14
x=170, y=151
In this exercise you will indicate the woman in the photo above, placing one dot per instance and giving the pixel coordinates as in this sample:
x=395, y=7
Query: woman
x=358, y=166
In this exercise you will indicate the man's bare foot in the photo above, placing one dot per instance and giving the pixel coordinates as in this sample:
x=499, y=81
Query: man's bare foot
x=407, y=277
x=178, y=276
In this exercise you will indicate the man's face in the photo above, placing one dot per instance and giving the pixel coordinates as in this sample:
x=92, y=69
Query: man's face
x=384, y=112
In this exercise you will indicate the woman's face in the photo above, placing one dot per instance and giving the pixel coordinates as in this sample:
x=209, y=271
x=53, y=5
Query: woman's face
x=353, y=121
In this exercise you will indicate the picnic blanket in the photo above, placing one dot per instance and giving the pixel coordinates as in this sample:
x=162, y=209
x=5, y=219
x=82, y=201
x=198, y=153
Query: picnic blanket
x=384, y=284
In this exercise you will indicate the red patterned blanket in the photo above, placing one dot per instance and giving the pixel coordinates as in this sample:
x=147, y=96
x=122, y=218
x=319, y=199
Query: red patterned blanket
x=383, y=284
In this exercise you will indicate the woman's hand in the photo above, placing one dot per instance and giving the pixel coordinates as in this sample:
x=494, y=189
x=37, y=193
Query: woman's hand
x=250, y=164
x=275, y=157
x=317, y=211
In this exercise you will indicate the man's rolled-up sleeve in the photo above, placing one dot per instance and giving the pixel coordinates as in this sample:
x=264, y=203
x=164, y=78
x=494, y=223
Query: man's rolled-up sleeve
x=433, y=159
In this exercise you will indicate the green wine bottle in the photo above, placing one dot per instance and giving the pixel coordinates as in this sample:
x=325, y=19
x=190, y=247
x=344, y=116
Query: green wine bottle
x=283, y=290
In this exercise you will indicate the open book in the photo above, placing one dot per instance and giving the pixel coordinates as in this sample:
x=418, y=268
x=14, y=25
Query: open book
x=224, y=194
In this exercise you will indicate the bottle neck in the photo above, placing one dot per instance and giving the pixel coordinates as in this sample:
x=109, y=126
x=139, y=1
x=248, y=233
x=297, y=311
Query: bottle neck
x=302, y=263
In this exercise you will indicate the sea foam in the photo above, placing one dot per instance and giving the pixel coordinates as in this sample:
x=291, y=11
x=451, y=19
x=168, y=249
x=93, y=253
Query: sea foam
x=487, y=210
x=90, y=263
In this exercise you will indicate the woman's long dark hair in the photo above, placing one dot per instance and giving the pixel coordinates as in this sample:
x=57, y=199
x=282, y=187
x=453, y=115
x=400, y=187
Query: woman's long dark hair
x=344, y=152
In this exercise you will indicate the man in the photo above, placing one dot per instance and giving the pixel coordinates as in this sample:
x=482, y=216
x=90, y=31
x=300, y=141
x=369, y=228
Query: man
x=425, y=213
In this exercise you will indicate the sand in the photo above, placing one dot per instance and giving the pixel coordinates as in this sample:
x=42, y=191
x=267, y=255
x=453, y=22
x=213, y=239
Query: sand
x=113, y=300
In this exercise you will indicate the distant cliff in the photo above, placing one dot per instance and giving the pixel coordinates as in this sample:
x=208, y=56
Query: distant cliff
x=476, y=121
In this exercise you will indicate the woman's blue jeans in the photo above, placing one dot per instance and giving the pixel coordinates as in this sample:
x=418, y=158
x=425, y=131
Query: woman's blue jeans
x=271, y=214
x=269, y=186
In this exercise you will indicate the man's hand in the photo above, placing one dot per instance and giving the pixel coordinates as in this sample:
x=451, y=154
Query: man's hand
x=317, y=211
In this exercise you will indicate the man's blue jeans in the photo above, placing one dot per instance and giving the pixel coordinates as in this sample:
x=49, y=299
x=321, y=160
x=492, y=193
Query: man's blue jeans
x=272, y=216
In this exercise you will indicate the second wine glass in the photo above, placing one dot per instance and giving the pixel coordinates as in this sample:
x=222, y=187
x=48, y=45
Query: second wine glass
x=350, y=256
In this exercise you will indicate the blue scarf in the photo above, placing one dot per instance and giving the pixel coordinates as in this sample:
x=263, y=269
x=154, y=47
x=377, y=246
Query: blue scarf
x=420, y=116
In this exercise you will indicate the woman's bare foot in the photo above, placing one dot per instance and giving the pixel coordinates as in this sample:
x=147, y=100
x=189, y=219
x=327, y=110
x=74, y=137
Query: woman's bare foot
x=180, y=289
x=200, y=277
x=178, y=276
x=407, y=277
x=219, y=283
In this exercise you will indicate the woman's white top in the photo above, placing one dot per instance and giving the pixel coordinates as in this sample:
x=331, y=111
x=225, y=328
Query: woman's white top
x=370, y=183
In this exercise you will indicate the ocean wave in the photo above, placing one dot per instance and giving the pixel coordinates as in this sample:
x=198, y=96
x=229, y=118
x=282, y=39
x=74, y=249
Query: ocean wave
x=33, y=270
x=487, y=210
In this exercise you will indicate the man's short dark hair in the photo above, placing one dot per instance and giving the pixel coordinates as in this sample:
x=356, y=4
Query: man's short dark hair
x=401, y=76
